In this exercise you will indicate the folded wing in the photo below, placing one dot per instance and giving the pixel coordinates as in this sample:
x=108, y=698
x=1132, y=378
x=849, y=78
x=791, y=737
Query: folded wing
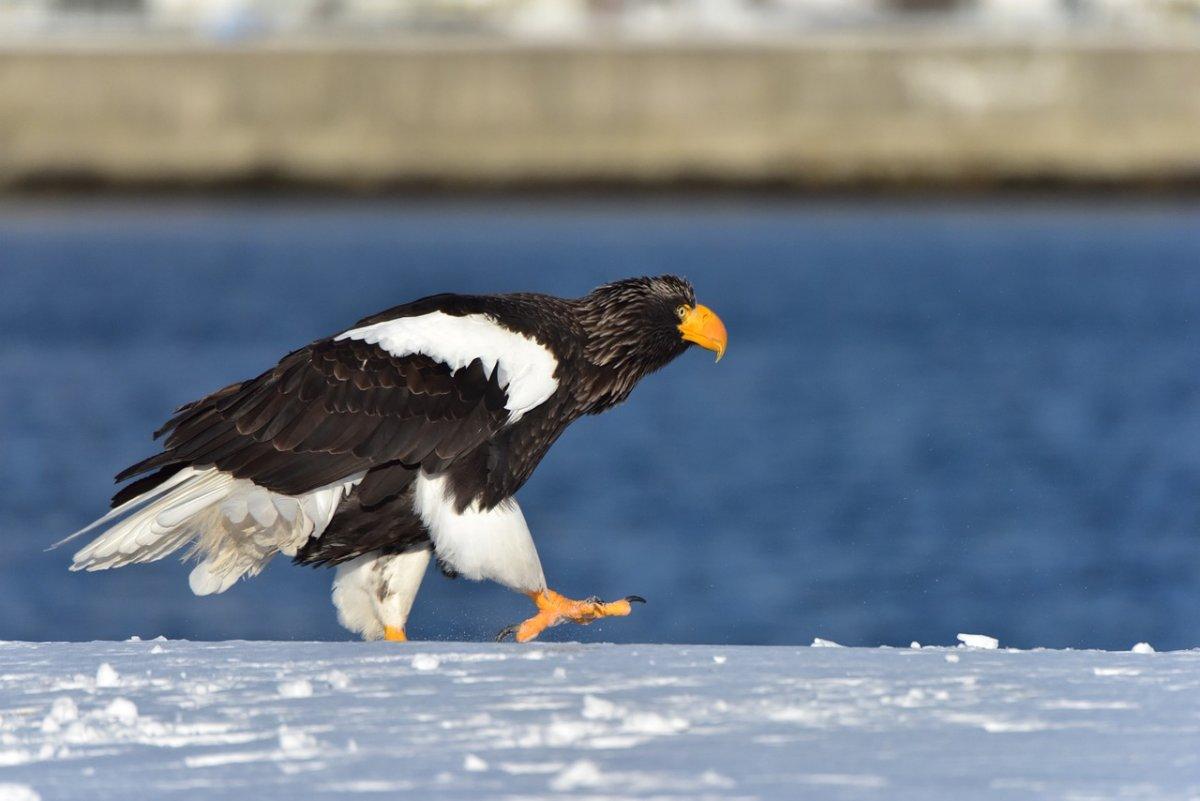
x=260, y=466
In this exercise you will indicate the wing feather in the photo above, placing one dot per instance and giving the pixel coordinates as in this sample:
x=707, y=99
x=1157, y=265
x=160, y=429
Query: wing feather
x=336, y=408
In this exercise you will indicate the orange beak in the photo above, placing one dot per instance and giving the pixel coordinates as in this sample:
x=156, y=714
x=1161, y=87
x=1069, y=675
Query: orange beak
x=702, y=326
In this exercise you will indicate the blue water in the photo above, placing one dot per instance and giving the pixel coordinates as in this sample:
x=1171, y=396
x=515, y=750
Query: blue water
x=932, y=418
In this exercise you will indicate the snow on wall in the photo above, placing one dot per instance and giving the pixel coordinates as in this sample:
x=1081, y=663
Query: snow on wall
x=180, y=720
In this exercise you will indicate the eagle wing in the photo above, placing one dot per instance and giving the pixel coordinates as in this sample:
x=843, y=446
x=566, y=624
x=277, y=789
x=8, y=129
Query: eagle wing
x=418, y=391
x=262, y=466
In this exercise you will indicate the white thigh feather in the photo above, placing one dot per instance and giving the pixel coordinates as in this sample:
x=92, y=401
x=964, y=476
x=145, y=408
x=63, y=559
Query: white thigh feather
x=375, y=591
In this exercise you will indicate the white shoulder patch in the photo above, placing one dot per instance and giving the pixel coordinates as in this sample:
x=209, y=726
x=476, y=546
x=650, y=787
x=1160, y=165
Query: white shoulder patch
x=526, y=367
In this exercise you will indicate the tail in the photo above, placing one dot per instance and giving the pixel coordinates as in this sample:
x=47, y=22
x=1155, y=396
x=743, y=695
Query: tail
x=233, y=526
x=126, y=542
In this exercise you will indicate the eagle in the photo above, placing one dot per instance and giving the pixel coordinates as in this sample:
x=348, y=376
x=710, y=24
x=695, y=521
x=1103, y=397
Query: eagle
x=399, y=440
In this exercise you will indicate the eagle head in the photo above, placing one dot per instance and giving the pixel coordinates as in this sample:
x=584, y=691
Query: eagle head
x=638, y=325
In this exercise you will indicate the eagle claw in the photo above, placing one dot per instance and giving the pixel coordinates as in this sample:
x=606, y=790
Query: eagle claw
x=554, y=609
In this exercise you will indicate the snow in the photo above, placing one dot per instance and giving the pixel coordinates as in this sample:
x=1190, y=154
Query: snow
x=270, y=720
x=18, y=792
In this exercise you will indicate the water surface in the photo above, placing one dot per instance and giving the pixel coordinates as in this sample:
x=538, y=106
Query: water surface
x=932, y=418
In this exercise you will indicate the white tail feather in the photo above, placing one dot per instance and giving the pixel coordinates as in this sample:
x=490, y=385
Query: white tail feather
x=132, y=503
x=235, y=526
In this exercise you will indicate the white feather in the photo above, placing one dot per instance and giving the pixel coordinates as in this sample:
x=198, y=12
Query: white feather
x=287, y=507
x=493, y=544
x=375, y=591
x=235, y=526
x=261, y=508
x=234, y=509
x=173, y=516
x=132, y=504
x=526, y=367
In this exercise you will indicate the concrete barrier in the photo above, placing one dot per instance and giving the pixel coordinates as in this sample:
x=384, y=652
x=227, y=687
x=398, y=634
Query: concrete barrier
x=837, y=112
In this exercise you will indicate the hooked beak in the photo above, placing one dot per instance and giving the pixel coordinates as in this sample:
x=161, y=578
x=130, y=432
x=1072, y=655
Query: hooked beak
x=702, y=326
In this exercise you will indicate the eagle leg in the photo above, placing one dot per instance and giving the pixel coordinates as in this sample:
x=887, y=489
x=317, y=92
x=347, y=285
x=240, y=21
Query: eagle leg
x=554, y=609
x=394, y=634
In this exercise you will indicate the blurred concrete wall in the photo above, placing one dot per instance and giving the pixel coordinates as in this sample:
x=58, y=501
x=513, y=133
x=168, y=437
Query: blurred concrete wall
x=840, y=112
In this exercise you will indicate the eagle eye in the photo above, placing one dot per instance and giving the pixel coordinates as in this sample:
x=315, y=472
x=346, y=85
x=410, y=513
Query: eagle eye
x=681, y=312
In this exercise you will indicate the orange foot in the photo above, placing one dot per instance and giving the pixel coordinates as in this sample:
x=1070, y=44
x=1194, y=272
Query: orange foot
x=394, y=634
x=554, y=609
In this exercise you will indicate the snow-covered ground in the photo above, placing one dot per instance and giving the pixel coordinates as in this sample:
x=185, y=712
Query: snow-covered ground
x=268, y=720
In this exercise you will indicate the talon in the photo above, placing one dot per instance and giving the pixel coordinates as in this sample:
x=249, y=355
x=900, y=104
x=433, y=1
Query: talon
x=554, y=609
x=507, y=631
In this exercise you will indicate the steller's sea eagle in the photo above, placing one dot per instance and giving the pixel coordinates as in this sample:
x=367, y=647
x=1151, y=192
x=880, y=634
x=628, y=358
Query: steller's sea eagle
x=404, y=437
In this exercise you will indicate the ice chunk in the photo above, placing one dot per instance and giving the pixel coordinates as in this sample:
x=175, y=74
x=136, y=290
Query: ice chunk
x=299, y=688
x=653, y=723
x=599, y=708
x=1143, y=648
x=18, y=792
x=63, y=710
x=292, y=741
x=979, y=641
x=1116, y=671
x=107, y=676
x=15, y=756
x=583, y=773
x=425, y=662
x=337, y=679
x=122, y=710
